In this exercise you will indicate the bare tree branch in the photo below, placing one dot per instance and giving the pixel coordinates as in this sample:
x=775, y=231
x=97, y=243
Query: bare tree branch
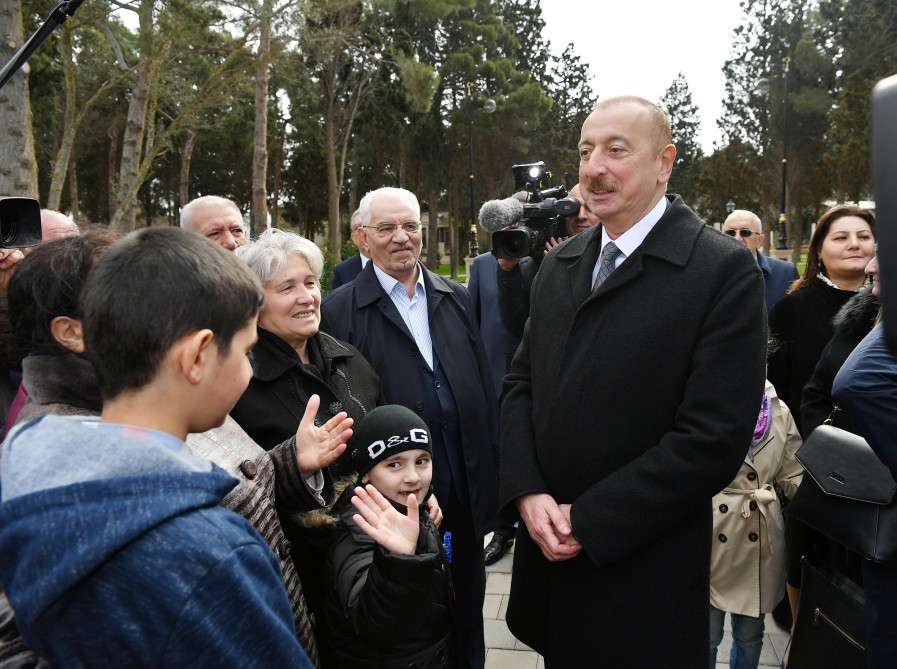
x=124, y=5
x=113, y=44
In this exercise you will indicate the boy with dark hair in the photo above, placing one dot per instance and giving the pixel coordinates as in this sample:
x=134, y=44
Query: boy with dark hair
x=115, y=549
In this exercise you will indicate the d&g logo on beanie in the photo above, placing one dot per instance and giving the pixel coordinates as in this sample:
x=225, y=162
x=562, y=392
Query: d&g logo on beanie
x=385, y=431
x=415, y=435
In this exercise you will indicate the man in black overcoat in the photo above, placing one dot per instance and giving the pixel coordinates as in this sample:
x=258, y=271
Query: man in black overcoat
x=420, y=333
x=627, y=407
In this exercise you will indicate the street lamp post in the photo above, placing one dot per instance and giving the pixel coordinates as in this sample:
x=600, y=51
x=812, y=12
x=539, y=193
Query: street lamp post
x=730, y=206
x=782, y=234
x=488, y=107
x=783, y=215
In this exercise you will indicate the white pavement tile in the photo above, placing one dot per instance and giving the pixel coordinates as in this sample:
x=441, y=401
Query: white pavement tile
x=497, y=658
x=491, y=606
x=498, y=583
x=498, y=635
x=503, y=608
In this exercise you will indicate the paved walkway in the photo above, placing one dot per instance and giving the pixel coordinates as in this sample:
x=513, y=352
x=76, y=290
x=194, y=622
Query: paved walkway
x=503, y=651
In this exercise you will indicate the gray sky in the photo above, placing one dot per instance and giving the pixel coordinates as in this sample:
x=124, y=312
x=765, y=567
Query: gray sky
x=639, y=46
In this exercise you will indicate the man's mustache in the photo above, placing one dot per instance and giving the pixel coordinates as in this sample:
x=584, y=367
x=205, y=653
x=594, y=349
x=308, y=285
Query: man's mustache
x=601, y=186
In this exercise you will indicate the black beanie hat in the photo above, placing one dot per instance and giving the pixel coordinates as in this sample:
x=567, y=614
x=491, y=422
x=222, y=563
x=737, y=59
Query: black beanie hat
x=385, y=431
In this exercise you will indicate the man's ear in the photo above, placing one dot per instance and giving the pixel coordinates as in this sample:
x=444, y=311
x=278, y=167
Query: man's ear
x=194, y=354
x=361, y=240
x=667, y=159
x=68, y=333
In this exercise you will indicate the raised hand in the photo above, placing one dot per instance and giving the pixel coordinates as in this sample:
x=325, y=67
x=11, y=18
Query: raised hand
x=317, y=447
x=9, y=258
x=382, y=523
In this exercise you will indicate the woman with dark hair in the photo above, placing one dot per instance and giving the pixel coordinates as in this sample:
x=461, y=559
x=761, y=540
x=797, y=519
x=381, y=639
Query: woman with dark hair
x=45, y=312
x=801, y=322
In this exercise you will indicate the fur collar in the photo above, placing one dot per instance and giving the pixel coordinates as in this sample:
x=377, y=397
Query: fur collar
x=858, y=315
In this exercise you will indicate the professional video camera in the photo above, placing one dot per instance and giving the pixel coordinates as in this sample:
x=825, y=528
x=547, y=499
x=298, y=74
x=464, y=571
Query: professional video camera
x=544, y=212
x=19, y=222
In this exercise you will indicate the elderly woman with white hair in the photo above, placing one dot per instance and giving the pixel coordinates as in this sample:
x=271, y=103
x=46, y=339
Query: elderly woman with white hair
x=293, y=359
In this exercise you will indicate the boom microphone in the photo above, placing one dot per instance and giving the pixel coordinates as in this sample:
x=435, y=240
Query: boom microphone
x=498, y=214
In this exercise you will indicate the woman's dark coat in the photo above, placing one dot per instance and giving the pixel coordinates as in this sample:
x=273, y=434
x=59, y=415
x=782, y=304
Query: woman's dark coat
x=852, y=323
x=801, y=325
x=273, y=404
x=635, y=404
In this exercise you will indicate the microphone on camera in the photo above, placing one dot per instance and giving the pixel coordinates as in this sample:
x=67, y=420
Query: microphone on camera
x=498, y=214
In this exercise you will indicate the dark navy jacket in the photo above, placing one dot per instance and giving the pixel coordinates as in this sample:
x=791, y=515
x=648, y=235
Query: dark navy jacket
x=346, y=271
x=778, y=276
x=866, y=389
x=499, y=343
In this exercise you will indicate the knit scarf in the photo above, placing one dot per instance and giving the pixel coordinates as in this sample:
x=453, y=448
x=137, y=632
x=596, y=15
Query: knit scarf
x=761, y=429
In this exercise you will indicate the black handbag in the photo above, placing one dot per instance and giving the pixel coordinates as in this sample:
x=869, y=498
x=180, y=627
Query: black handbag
x=847, y=494
x=830, y=628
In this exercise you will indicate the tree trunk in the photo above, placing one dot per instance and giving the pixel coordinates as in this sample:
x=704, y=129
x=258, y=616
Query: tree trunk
x=433, y=231
x=112, y=156
x=333, y=230
x=18, y=169
x=74, y=205
x=125, y=214
x=186, y=158
x=63, y=155
x=796, y=234
x=258, y=217
x=278, y=174
x=353, y=192
x=453, y=249
x=403, y=155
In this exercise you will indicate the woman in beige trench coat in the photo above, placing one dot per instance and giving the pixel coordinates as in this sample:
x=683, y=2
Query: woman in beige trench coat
x=747, y=564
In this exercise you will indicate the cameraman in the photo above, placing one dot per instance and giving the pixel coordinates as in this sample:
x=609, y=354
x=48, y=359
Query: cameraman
x=515, y=275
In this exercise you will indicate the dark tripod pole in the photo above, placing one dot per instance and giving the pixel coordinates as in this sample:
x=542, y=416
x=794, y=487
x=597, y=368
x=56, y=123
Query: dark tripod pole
x=57, y=16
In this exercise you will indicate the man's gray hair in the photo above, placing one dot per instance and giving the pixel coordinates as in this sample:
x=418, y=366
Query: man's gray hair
x=268, y=255
x=355, y=220
x=365, y=205
x=188, y=213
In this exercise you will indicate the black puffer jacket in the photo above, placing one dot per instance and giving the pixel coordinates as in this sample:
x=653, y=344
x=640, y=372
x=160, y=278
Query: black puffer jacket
x=386, y=610
x=853, y=322
x=273, y=404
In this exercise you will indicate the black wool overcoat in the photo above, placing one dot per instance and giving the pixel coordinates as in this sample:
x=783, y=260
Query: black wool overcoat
x=635, y=404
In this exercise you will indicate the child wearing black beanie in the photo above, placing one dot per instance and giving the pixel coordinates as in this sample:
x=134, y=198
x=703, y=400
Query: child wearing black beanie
x=388, y=581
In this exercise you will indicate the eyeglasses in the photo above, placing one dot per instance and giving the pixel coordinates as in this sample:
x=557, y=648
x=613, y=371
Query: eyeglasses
x=743, y=233
x=389, y=229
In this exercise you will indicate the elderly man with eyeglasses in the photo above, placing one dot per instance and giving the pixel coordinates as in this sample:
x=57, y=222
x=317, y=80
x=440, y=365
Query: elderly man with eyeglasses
x=420, y=333
x=747, y=228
